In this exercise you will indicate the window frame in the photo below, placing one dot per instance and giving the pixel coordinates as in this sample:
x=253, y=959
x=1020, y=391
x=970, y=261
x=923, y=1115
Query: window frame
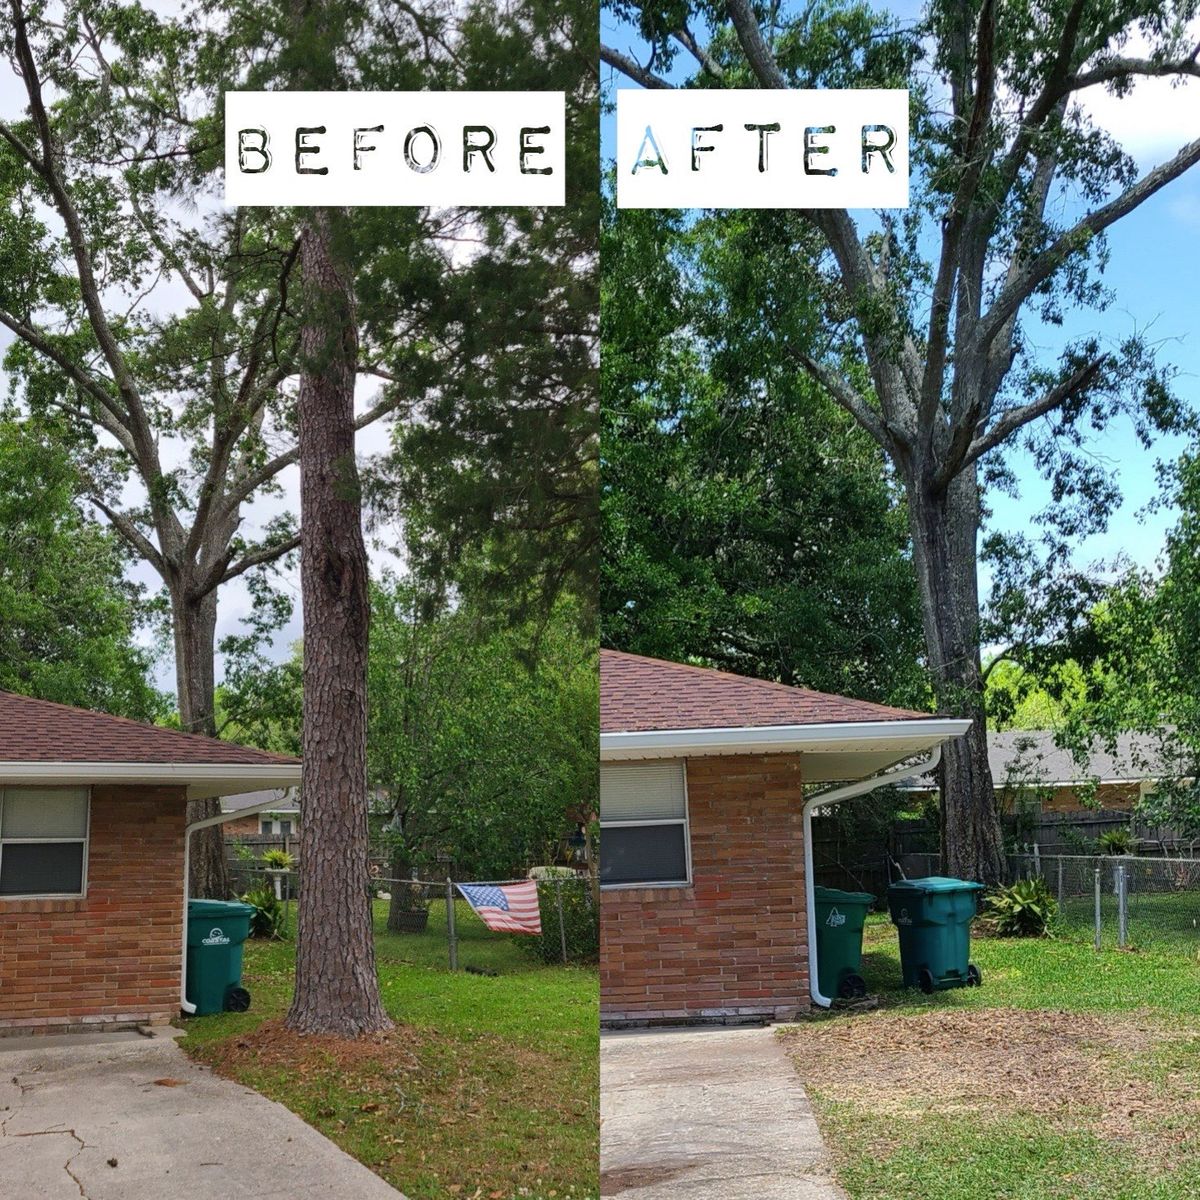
x=685, y=821
x=85, y=841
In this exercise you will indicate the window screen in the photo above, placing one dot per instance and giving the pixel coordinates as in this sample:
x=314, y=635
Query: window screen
x=643, y=822
x=43, y=841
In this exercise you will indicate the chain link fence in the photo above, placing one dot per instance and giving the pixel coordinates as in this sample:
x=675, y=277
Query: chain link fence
x=1111, y=900
x=435, y=908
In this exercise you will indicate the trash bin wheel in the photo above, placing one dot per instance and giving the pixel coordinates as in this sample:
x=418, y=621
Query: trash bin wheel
x=852, y=987
x=237, y=999
x=925, y=981
x=974, y=975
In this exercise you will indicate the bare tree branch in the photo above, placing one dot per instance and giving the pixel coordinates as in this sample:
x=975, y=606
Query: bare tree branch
x=754, y=45
x=627, y=66
x=1009, y=422
x=1042, y=266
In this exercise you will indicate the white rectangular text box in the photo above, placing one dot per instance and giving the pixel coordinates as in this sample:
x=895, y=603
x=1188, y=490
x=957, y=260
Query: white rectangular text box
x=762, y=149
x=403, y=149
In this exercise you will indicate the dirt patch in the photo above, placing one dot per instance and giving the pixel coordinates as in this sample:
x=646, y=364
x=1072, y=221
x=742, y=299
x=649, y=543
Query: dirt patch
x=1072, y=1069
x=272, y=1044
x=612, y=1183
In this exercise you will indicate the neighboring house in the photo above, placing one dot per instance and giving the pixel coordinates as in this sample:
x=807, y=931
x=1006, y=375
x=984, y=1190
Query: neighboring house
x=704, y=862
x=282, y=821
x=1032, y=775
x=92, y=889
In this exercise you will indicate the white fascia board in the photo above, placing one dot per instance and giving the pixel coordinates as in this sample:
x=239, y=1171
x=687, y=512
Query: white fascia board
x=202, y=780
x=906, y=736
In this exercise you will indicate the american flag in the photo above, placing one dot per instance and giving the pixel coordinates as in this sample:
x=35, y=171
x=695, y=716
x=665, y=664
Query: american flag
x=505, y=907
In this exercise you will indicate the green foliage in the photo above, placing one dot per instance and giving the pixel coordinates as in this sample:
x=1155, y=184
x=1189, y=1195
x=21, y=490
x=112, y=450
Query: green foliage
x=278, y=860
x=270, y=916
x=1116, y=841
x=69, y=619
x=580, y=924
x=747, y=521
x=481, y=738
x=1023, y=909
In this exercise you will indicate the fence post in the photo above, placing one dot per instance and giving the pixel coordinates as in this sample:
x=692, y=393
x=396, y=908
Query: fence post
x=562, y=929
x=451, y=931
x=1122, y=906
x=1060, y=881
x=1097, y=908
x=1037, y=860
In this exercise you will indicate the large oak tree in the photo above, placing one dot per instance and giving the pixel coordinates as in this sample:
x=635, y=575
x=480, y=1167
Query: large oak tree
x=932, y=314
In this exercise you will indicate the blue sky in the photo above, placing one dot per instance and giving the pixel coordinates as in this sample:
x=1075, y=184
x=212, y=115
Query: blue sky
x=1154, y=271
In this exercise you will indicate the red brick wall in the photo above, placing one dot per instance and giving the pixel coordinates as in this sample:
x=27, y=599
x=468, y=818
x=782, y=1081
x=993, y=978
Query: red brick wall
x=114, y=956
x=734, y=943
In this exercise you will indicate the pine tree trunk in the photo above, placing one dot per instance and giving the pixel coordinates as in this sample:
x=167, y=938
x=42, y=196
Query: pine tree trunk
x=945, y=552
x=337, y=990
x=194, y=624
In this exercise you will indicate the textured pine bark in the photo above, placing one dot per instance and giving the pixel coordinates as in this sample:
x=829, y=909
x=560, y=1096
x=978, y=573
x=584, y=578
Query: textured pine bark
x=944, y=525
x=337, y=990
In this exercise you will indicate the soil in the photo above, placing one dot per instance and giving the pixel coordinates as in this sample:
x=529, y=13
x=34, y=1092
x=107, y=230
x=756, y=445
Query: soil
x=1074, y=1070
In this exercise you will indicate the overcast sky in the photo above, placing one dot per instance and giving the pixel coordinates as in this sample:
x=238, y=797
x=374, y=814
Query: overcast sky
x=234, y=597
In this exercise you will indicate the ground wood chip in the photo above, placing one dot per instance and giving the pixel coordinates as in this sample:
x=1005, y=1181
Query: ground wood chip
x=1077, y=1071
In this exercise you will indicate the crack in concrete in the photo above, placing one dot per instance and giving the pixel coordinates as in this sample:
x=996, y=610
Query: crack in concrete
x=70, y=1161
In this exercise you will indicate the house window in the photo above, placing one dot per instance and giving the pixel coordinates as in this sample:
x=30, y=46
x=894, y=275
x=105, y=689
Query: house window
x=43, y=841
x=264, y=827
x=285, y=828
x=644, y=824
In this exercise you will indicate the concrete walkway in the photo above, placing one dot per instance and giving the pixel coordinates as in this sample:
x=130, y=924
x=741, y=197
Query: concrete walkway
x=712, y=1114
x=128, y=1117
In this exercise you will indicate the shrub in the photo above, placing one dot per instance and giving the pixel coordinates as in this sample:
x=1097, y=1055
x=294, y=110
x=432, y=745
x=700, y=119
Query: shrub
x=278, y=860
x=1024, y=909
x=1115, y=841
x=581, y=923
x=268, y=920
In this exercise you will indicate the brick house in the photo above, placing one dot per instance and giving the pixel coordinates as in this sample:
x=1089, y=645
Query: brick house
x=281, y=821
x=706, y=793
x=92, y=828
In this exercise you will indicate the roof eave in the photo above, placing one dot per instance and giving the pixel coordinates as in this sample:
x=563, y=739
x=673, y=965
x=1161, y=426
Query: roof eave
x=780, y=739
x=202, y=780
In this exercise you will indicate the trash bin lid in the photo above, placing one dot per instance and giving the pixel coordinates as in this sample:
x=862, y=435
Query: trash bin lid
x=935, y=883
x=836, y=896
x=218, y=908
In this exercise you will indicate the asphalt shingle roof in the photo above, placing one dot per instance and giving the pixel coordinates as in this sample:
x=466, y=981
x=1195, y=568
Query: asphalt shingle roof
x=43, y=732
x=640, y=694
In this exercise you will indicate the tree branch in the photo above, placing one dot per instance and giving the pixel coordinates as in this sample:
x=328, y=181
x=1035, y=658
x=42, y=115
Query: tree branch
x=754, y=45
x=256, y=558
x=1043, y=265
x=849, y=398
x=133, y=535
x=627, y=66
x=1012, y=420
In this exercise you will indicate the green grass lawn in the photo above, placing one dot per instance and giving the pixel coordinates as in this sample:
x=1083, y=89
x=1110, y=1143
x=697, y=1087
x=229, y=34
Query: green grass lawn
x=1068, y=1075
x=488, y=1088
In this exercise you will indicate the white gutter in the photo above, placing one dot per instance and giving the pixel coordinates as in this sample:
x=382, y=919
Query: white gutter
x=836, y=796
x=202, y=780
x=220, y=819
x=772, y=738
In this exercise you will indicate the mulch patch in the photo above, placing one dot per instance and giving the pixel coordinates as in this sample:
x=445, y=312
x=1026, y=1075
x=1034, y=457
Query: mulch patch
x=1071, y=1069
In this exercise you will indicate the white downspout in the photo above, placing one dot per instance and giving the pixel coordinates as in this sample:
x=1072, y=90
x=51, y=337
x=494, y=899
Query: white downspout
x=220, y=819
x=836, y=796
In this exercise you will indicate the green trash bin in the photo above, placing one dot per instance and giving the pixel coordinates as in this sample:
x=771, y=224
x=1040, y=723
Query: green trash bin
x=215, y=933
x=934, y=916
x=840, y=916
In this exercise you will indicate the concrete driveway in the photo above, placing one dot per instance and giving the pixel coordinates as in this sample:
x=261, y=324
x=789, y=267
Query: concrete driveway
x=711, y=1114
x=128, y=1117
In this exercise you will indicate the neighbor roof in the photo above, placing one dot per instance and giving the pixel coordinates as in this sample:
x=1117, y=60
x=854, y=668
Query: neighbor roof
x=638, y=694
x=1030, y=756
x=43, y=742
x=288, y=802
